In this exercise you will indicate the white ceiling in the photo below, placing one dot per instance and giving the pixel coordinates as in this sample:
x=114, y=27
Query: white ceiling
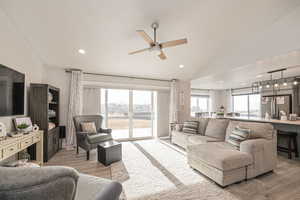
x=223, y=35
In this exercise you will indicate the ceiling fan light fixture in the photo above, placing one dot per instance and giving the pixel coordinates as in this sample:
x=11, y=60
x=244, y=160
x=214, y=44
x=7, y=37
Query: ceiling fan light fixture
x=81, y=51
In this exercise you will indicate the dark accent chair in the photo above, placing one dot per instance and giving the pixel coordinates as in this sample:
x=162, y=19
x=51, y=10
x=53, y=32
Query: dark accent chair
x=89, y=141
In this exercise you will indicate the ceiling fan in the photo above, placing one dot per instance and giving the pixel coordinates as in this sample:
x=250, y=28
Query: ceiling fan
x=156, y=46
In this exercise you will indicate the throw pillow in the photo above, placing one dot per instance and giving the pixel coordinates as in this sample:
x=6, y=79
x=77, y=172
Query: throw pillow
x=190, y=127
x=238, y=135
x=178, y=127
x=88, y=127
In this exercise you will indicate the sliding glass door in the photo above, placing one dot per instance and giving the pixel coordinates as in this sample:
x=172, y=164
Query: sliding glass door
x=129, y=113
x=118, y=112
x=142, y=113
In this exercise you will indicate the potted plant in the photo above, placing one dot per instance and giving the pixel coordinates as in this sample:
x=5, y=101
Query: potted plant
x=22, y=127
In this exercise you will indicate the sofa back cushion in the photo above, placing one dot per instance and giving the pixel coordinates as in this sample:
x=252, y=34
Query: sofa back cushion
x=216, y=128
x=258, y=130
x=202, y=125
x=190, y=127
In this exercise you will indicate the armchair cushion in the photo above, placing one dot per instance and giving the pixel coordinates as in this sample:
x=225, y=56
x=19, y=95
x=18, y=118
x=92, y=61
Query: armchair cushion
x=105, y=130
x=89, y=127
x=97, y=138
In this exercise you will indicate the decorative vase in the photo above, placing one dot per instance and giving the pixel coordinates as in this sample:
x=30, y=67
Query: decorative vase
x=50, y=97
x=35, y=128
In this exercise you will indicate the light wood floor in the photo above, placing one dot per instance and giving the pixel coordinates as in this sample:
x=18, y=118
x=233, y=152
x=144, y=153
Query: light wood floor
x=283, y=184
x=71, y=159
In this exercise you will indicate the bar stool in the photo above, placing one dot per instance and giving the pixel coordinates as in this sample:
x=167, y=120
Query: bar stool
x=291, y=138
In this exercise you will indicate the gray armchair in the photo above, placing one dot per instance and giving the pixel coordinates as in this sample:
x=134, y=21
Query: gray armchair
x=57, y=183
x=54, y=183
x=89, y=141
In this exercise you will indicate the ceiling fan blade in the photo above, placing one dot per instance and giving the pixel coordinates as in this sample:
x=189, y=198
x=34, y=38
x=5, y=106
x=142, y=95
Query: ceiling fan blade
x=173, y=43
x=145, y=36
x=139, y=51
x=162, y=55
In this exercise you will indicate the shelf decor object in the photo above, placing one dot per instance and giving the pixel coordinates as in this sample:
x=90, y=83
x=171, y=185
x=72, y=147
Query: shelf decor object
x=23, y=124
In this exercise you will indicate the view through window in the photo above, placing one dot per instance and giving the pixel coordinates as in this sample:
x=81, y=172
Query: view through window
x=199, y=103
x=247, y=105
x=128, y=112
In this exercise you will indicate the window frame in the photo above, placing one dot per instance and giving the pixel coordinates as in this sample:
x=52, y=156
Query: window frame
x=248, y=102
x=200, y=96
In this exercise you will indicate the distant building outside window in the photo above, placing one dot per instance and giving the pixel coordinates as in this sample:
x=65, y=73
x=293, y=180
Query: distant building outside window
x=199, y=103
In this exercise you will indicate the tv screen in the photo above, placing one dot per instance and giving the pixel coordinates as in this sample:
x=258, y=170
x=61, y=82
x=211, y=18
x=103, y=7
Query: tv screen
x=12, y=89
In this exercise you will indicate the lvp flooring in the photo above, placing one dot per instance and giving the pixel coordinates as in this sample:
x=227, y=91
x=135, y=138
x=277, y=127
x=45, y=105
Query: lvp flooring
x=283, y=184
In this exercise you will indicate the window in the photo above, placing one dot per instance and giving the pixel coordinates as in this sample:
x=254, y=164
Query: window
x=199, y=103
x=247, y=105
x=130, y=113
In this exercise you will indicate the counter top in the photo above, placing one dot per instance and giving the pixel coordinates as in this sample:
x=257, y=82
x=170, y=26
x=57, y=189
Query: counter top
x=258, y=119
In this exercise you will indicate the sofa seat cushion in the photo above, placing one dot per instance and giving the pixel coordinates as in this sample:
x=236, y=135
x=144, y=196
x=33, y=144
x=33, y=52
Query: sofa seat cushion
x=92, y=188
x=181, y=134
x=199, y=139
x=99, y=137
x=220, y=155
x=216, y=128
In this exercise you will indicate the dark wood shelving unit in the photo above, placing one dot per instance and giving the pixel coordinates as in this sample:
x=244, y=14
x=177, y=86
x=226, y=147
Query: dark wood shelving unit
x=39, y=107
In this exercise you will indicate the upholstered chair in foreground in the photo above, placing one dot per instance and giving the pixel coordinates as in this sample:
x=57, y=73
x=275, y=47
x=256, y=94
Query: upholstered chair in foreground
x=54, y=183
x=90, y=140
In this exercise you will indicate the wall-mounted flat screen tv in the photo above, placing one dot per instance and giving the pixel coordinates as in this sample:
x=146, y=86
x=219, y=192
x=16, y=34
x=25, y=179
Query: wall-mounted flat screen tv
x=12, y=90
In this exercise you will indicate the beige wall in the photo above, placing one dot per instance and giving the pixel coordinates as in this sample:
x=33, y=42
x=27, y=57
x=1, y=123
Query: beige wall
x=60, y=79
x=16, y=53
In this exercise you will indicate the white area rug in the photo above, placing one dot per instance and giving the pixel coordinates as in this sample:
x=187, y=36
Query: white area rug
x=152, y=170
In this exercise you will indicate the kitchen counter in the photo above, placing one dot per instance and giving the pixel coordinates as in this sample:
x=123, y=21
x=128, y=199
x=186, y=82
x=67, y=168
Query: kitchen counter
x=258, y=119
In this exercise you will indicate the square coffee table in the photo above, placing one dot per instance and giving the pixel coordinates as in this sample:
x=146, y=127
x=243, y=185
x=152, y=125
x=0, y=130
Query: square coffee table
x=109, y=152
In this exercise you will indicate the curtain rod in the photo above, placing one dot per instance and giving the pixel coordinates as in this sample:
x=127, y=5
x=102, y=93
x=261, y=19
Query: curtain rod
x=118, y=76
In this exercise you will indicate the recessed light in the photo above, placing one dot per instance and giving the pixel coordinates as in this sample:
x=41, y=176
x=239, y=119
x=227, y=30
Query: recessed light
x=285, y=84
x=181, y=66
x=268, y=86
x=259, y=76
x=295, y=82
x=276, y=85
x=81, y=51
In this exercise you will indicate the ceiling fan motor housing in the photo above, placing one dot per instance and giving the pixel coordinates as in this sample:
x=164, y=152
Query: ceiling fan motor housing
x=155, y=25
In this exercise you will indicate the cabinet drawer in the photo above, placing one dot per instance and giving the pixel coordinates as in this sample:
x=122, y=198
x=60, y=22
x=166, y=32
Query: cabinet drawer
x=10, y=150
x=26, y=143
x=36, y=138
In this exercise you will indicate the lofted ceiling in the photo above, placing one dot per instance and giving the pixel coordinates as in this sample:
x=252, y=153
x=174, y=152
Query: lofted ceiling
x=223, y=35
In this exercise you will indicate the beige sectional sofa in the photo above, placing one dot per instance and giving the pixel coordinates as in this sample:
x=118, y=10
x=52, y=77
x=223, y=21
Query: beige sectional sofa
x=210, y=153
